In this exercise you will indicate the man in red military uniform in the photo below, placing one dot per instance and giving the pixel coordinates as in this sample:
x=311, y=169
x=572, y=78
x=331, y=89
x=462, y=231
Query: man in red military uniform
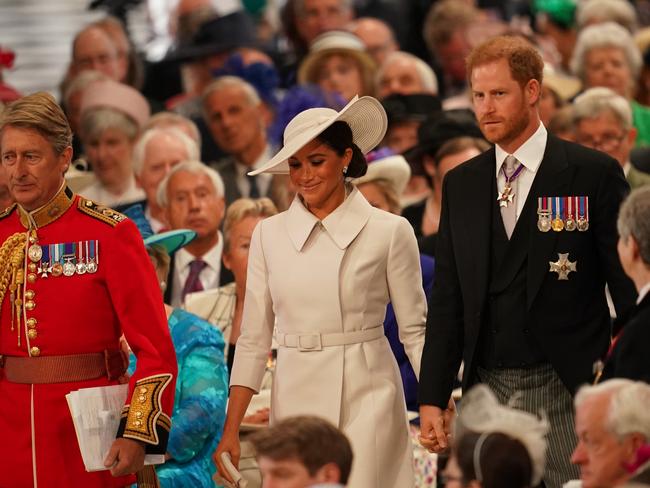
x=74, y=276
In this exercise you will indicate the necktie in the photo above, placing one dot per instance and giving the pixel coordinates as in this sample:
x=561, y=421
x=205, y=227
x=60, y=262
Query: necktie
x=509, y=211
x=193, y=283
x=254, y=190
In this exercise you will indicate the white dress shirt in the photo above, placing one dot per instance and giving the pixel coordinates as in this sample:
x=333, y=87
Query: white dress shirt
x=529, y=154
x=263, y=179
x=209, y=276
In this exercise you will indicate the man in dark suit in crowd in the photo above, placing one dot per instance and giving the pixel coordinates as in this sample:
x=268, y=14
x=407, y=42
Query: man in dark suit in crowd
x=191, y=195
x=628, y=357
x=526, y=244
x=233, y=112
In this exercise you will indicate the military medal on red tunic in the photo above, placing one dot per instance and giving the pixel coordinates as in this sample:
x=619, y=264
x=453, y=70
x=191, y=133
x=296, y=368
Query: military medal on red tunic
x=507, y=195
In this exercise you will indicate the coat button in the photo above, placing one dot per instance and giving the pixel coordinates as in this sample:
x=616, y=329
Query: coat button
x=31, y=333
x=29, y=305
x=31, y=322
x=29, y=294
x=35, y=351
x=32, y=267
x=31, y=278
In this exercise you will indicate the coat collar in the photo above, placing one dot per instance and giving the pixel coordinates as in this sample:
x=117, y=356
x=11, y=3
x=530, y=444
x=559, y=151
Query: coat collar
x=343, y=224
x=49, y=212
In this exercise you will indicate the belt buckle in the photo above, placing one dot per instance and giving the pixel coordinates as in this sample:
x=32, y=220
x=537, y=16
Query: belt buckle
x=310, y=342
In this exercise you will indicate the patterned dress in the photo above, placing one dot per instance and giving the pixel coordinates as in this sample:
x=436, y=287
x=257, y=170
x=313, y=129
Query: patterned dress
x=200, y=404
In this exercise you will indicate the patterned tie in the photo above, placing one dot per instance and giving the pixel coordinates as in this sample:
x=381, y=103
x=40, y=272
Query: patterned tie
x=254, y=190
x=193, y=283
x=509, y=212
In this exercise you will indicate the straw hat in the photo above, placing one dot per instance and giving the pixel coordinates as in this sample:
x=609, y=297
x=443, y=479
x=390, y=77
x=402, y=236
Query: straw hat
x=365, y=116
x=394, y=169
x=118, y=96
x=334, y=42
x=565, y=86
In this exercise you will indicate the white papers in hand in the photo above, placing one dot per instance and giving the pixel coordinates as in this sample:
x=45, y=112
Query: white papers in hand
x=96, y=416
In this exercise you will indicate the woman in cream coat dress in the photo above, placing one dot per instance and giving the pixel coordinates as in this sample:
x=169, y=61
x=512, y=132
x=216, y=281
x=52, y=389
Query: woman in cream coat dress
x=322, y=273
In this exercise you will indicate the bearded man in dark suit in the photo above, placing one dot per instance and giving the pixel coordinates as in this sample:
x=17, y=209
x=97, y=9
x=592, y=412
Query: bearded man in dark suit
x=527, y=242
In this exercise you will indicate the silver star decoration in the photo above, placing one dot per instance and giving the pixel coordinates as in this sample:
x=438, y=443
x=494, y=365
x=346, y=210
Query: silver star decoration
x=562, y=266
x=505, y=197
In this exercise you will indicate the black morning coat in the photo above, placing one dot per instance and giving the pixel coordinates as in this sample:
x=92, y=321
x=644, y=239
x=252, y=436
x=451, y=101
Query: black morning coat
x=569, y=320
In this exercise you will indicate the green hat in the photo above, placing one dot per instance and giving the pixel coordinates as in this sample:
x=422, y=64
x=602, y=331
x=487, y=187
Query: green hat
x=561, y=12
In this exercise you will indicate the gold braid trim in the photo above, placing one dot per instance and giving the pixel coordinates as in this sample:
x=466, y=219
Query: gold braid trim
x=12, y=260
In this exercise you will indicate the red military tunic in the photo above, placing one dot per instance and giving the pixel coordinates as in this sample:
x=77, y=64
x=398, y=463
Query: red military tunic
x=77, y=314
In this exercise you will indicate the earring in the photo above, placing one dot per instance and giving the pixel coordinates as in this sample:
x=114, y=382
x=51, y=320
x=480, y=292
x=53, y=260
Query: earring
x=345, y=170
x=163, y=286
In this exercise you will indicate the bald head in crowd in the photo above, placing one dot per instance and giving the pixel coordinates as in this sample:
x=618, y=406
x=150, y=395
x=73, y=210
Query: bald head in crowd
x=313, y=17
x=93, y=49
x=377, y=36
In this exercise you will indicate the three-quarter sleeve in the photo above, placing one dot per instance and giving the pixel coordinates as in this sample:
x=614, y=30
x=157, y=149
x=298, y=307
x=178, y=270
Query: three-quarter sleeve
x=254, y=343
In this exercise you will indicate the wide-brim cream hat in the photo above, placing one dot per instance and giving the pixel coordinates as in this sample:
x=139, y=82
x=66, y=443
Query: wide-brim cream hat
x=365, y=116
x=327, y=44
x=393, y=169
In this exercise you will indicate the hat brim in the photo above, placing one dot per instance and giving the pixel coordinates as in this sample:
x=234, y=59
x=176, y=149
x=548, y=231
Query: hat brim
x=308, y=70
x=394, y=169
x=171, y=240
x=365, y=116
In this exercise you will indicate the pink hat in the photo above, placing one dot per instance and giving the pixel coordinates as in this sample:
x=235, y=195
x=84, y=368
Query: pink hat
x=121, y=97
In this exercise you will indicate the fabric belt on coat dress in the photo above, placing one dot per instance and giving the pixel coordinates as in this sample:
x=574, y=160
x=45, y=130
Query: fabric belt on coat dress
x=62, y=369
x=316, y=341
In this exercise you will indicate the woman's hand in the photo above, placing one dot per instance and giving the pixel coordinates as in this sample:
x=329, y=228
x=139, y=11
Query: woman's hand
x=230, y=444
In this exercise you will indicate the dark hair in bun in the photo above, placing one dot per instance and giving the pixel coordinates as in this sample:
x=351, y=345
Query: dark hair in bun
x=338, y=136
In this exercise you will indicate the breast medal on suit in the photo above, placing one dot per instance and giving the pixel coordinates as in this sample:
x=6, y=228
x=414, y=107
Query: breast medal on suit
x=568, y=320
x=325, y=286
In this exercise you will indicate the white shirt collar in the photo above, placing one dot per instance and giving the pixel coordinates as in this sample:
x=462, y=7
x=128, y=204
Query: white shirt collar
x=530, y=153
x=626, y=168
x=643, y=292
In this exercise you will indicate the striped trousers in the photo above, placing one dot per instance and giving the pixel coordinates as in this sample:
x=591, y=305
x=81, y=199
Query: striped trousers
x=539, y=389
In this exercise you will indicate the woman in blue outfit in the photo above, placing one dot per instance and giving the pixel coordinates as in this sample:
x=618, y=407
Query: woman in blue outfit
x=202, y=383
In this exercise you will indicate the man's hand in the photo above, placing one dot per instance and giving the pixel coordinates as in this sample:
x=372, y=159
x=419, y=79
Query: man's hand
x=126, y=456
x=435, y=427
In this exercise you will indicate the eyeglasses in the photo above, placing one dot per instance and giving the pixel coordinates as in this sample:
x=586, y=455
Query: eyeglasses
x=609, y=142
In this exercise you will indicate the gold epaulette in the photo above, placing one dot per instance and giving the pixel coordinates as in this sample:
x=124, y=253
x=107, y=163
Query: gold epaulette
x=100, y=212
x=7, y=211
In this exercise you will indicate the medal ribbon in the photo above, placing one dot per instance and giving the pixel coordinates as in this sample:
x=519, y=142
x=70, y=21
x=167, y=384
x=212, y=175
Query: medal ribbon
x=515, y=173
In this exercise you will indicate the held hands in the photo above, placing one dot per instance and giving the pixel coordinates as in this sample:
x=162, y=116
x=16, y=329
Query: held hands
x=435, y=426
x=126, y=456
x=230, y=444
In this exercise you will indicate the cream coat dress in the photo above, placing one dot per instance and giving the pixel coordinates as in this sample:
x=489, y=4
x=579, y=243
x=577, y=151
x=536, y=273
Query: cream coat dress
x=328, y=282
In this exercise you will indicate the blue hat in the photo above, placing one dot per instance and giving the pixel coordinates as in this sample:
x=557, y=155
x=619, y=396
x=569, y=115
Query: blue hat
x=171, y=240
